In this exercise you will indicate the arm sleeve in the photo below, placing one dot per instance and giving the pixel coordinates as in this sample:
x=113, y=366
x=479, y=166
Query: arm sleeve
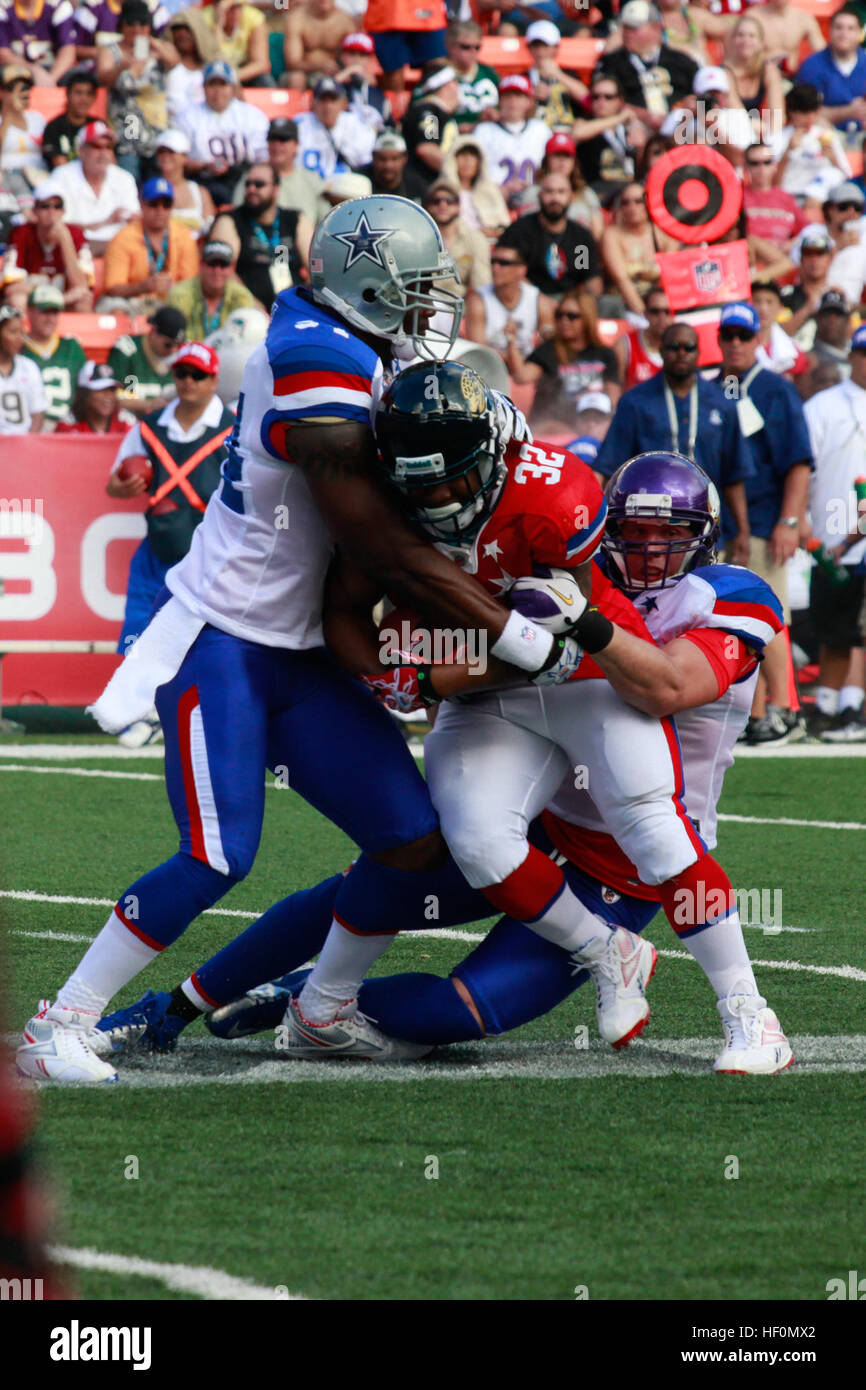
x=729, y=658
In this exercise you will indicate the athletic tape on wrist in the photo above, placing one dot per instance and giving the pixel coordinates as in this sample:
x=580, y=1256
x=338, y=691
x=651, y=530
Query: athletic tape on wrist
x=523, y=643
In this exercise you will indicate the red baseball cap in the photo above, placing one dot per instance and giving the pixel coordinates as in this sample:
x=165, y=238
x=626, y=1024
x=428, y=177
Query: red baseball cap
x=560, y=143
x=198, y=355
x=516, y=83
x=93, y=131
x=358, y=43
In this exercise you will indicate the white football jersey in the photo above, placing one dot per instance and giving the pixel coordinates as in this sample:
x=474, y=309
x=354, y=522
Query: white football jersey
x=513, y=151
x=347, y=145
x=256, y=567
x=724, y=597
x=239, y=135
x=22, y=395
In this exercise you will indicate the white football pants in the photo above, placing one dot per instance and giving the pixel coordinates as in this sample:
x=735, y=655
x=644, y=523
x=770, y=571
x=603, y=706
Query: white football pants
x=494, y=762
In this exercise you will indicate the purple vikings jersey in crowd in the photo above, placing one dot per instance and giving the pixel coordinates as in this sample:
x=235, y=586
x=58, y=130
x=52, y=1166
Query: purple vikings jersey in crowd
x=98, y=21
x=38, y=38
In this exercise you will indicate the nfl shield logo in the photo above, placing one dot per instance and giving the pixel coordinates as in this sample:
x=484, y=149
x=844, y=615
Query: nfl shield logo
x=708, y=276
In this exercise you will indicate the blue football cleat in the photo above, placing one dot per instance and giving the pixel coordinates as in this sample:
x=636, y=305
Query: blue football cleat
x=144, y=1024
x=260, y=1010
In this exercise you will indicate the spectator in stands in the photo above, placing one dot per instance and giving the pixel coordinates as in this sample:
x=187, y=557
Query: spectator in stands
x=99, y=198
x=714, y=114
x=95, y=407
x=843, y=214
x=225, y=134
x=653, y=76
x=837, y=427
x=312, y=34
x=40, y=36
x=776, y=350
x=777, y=442
x=136, y=83
x=786, y=27
x=61, y=133
x=831, y=347
x=592, y=416
x=558, y=93
x=331, y=139
x=573, y=361
x=643, y=345
x=771, y=213
x=406, y=35
x=49, y=251
x=560, y=255
x=193, y=205
x=145, y=259
x=515, y=143
x=22, y=395
x=98, y=23
x=207, y=299
x=479, y=84
x=194, y=423
x=756, y=80
x=429, y=128
x=629, y=246
x=59, y=359
x=358, y=73
x=388, y=170
x=481, y=202
x=509, y=307
x=655, y=147
x=270, y=244
x=678, y=409
x=560, y=157
x=811, y=159
x=241, y=36
x=687, y=27
x=766, y=260
x=195, y=46
x=299, y=188
x=20, y=132
x=839, y=73
x=468, y=246
x=608, y=141
x=142, y=364
x=803, y=297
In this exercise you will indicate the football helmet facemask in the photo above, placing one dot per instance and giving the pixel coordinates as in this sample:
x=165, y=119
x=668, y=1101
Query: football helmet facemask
x=437, y=422
x=665, y=487
x=381, y=264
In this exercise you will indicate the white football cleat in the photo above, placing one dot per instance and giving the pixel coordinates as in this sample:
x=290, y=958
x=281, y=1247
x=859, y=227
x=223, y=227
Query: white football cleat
x=350, y=1034
x=57, y=1047
x=621, y=972
x=754, y=1042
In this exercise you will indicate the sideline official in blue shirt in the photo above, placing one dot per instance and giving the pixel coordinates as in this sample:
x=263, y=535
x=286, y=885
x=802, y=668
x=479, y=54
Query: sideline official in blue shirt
x=677, y=409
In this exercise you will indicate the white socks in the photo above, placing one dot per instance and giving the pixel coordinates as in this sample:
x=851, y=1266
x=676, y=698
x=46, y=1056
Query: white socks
x=339, y=972
x=114, y=959
x=571, y=925
x=827, y=700
x=721, y=953
x=850, y=697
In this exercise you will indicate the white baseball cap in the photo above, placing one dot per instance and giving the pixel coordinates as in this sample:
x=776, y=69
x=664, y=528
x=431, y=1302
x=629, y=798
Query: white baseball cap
x=543, y=31
x=594, y=400
x=173, y=140
x=710, y=80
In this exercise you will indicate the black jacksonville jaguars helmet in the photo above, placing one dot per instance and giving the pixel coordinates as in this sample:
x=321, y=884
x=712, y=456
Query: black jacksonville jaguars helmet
x=437, y=423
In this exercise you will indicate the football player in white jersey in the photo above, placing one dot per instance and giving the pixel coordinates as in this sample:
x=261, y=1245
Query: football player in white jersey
x=23, y=402
x=234, y=658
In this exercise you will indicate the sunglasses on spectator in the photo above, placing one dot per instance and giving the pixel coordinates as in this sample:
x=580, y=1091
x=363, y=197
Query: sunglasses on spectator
x=255, y=183
x=500, y=260
x=472, y=47
x=660, y=309
x=757, y=163
x=54, y=206
x=733, y=334
x=849, y=207
x=443, y=198
x=815, y=251
x=159, y=203
x=188, y=374
x=680, y=347
x=565, y=314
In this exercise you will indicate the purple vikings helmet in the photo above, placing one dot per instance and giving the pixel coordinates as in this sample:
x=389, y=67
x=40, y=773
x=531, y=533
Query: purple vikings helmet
x=665, y=487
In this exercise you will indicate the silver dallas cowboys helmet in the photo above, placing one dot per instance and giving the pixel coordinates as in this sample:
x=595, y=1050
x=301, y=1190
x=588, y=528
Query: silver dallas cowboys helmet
x=380, y=263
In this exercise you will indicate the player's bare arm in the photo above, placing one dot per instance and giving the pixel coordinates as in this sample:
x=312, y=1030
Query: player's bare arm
x=658, y=680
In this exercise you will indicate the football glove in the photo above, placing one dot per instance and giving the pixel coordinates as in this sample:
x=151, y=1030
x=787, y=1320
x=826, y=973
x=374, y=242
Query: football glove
x=510, y=421
x=405, y=689
x=565, y=657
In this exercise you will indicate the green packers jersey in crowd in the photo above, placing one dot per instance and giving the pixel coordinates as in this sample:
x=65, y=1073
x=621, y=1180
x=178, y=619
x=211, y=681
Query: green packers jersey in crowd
x=477, y=94
x=59, y=364
x=138, y=377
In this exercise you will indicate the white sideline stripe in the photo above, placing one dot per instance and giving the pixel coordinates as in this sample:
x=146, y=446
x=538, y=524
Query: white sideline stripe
x=803, y=750
x=844, y=972
x=65, y=752
x=85, y=772
x=498, y=1059
x=213, y=1284
x=790, y=820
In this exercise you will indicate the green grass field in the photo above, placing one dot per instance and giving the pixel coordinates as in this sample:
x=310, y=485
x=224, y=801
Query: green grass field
x=558, y=1168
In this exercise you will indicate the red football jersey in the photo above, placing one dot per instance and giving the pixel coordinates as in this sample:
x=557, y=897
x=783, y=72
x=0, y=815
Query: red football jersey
x=640, y=365
x=28, y=253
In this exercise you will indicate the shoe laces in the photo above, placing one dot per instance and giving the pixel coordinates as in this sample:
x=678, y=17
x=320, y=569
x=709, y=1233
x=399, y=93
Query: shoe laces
x=739, y=1011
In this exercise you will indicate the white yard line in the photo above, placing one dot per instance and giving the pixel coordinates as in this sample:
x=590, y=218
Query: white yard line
x=789, y=820
x=213, y=1284
x=65, y=752
x=250, y=1062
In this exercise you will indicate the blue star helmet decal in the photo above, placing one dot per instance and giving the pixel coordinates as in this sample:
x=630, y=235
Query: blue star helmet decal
x=364, y=241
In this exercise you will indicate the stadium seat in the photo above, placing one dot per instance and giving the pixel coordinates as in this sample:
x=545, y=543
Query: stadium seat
x=51, y=102
x=277, y=101
x=509, y=55
x=97, y=333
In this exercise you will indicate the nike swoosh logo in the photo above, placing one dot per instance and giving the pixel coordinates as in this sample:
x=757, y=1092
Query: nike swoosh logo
x=569, y=602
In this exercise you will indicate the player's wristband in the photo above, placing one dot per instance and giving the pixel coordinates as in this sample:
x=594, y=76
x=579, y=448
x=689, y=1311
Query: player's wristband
x=593, y=631
x=523, y=643
x=424, y=672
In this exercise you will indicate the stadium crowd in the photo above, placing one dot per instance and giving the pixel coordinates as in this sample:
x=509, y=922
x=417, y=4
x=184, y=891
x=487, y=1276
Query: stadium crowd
x=168, y=166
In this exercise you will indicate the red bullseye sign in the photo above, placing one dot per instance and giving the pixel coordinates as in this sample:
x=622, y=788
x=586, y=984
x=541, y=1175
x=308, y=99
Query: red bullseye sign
x=694, y=194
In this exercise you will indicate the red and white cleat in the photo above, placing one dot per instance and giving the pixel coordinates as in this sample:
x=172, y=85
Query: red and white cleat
x=57, y=1047
x=621, y=971
x=754, y=1042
